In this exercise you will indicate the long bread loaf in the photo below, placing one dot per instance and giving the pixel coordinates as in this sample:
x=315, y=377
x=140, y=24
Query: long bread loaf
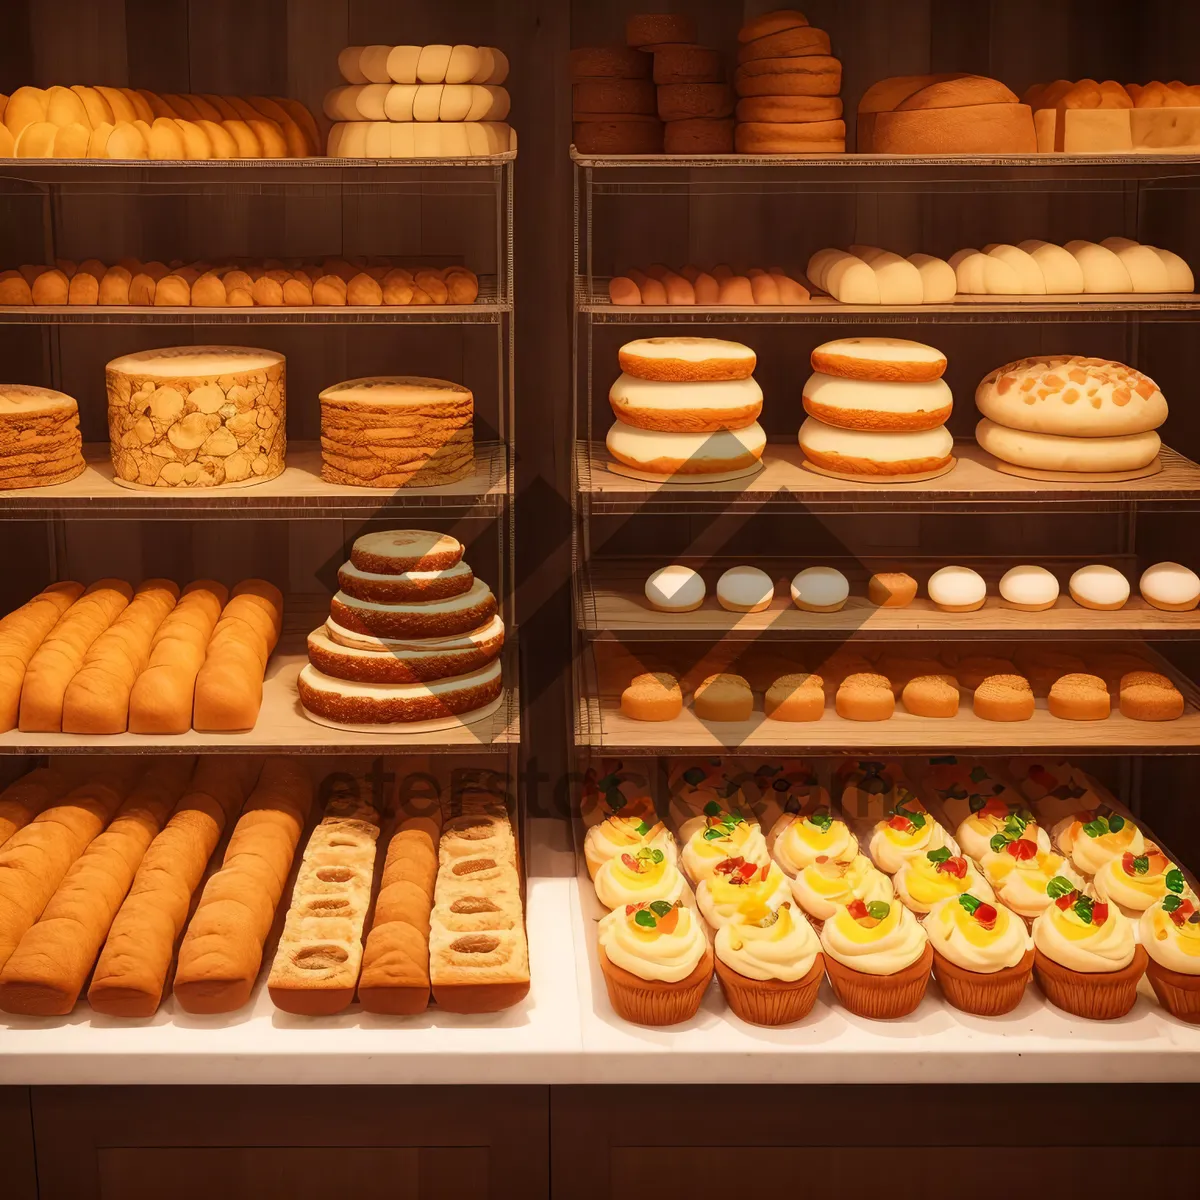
x=136, y=960
x=56, y=660
x=221, y=952
x=21, y=801
x=97, y=699
x=21, y=633
x=161, y=699
x=49, y=967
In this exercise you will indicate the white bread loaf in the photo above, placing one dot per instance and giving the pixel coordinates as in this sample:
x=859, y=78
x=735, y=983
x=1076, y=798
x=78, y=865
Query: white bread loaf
x=980, y=274
x=898, y=280
x=1060, y=269
x=852, y=281
x=1147, y=271
x=1030, y=280
x=1103, y=271
x=939, y=284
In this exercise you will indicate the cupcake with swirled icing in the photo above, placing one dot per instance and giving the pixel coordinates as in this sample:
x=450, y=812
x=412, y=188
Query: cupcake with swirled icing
x=1170, y=931
x=982, y=953
x=771, y=969
x=1086, y=959
x=907, y=830
x=826, y=885
x=1021, y=873
x=798, y=840
x=994, y=824
x=961, y=786
x=926, y=879
x=741, y=891
x=637, y=877
x=1091, y=839
x=877, y=957
x=615, y=793
x=1134, y=882
x=656, y=960
x=625, y=835
x=723, y=834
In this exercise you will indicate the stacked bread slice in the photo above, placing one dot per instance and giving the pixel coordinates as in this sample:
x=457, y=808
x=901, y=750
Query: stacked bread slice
x=869, y=275
x=788, y=83
x=40, y=442
x=1090, y=117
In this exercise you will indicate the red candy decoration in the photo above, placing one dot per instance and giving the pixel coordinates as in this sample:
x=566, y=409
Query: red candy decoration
x=901, y=824
x=986, y=915
x=1099, y=913
x=954, y=866
x=1065, y=902
x=1022, y=849
x=857, y=909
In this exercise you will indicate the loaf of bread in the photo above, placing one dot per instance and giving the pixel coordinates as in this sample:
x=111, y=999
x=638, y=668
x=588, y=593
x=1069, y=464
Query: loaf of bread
x=35, y=859
x=21, y=633
x=49, y=967
x=161, y=698
x=220, y=955
x=136, y=960
x=97, y=698
x=23, y=799
x=60, y=656
x=229, y=684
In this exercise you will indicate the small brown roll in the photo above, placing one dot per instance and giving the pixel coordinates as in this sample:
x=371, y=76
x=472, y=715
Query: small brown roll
x=329, y=289
x=433, y=283
x=237, y=279
x=172, y=291
x=155, y=269
x=707, y=289
x=397, y=291
x=51, y=287
x=462, y=286
x=297, y=293
x=84, y=289
x=208, y=292
x=1004, y=698
x=622, y=290
x=420, y=295
x=141, y=290
x=363, y=290
x=14, y=289
x=239, y=297
x=653, y=291
x=737, y=289
x=765, y=289
x=267, y=292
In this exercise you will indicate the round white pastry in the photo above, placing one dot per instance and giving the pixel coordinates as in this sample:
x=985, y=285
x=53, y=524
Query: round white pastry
x=1029, y=587
x=1098, y=586
x=680, y=359
x=957, y=589
x=880, y=358
x=675, y=589
x=1050, y=452
x=745, y=589
x=1170, y=586
x=870, y=404
x=686, y=453
x=685, y=407
x=820, y=589
x=869, y=452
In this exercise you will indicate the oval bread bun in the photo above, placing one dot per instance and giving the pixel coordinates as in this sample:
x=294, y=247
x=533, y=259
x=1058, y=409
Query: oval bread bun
x=1049, y=452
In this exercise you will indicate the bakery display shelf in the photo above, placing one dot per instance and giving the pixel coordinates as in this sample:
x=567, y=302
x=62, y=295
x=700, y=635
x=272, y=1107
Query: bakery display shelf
x=612, y=606
x=298, y=492
x=975, y=485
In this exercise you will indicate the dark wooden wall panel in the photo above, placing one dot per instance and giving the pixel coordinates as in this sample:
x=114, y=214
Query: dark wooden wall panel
x=18, y=1168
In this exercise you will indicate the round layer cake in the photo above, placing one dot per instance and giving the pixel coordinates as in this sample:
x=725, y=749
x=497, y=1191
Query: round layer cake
x=40, y=442
x=893, y=360
x=399, y=551
x=868, y=453
x=416, y=619
x=870, y=404
x=409, y=585
x=1050, y=452
x=686, y=453
x=685, y=407
x=687, y=359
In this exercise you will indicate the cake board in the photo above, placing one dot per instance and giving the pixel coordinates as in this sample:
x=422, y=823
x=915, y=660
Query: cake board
x=914, y=477
x=688, y=479
x=434, y=725
x=1146, y=472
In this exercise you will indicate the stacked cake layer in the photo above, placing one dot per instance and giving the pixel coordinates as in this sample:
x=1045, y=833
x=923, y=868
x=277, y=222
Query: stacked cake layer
x=40, y=442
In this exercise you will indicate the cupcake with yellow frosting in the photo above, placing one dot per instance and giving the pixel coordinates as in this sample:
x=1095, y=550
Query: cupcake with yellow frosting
x=721, y=835
x=657, y=962
x=826, y=885
x=770, y=969
x=926, y=879
x=797, y=840
x=1170, y=931
x=1020, y=875
x=991, y=826
x=1091, y=839
x=741, y=891
x=625, y=835
x=1085, y=957
x=638, y=876
x=615, y=792
x=907, y=831
x=1134, y=882
x=982, y=954
x=878, y=958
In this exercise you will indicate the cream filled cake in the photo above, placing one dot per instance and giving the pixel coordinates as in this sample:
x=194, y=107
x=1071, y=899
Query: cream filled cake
x=416, y=618
x=687, y=359
x=407, y=586
x=685, y=407
x=884, y=359
x=867, y=452
x=686, y=453
x=873, y=404
x=397, y=551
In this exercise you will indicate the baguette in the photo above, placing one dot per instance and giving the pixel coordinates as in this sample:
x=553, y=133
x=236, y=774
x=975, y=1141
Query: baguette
x=21, y=633
x=49, y=967
x=229, y=685
x=221, y=952
x=136, y=960
x=97, y=699
x=21, y=801
x=34, y=860
x=60, y=656
x=161, y=699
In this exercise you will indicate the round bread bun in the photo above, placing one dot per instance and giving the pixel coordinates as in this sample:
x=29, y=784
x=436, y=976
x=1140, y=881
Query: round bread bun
x=820, y=589
x=812, y=75
x=1149, y=696
x=1072, y=396
x=768, y=23
x=1050, y=452
x=655, y=696
x=868, y=452
x=865, y=697
x=1100, y=587
x=788, y=110
x=1029, y=588
x=1079, y=697
x=891, y=589
x=886, y=407
x=1004, y=698
x=931, y=696
x=957, y=589
x=806, y=137
x=723, y=697
x=687, y=359
x=675, y=589
x=685, y=407
x=799, y=697
x=400, y=551
x=972, y=670
x=696, y=454
x=891, y=360
x=786, y=43
x=1170, y=586
x=745, y=589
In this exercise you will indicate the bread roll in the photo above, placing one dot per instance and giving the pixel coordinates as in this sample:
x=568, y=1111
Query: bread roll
x=329, y=289
x=21, y=633
x=118, y=104
x=36, y=141
x=26, y=106
x=72, y=141
x=297, y=293
x=293, y=134
x=21, y=801
x=363, y=290
x=98, y=142
x=114, y=286
x=196, y=145
x=14, y=289
x=51, y=287
x=127, y=141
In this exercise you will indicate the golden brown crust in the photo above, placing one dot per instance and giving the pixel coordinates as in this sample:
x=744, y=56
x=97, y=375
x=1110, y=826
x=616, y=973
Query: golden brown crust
x=789, y=109
x=687, y=64
x=1004, y=698
x=795, y=698
x=846, y=366
x=865, y=696
x=654, y=696
x=688, y=101
x=395, y=667
x=381, y=710
x=696, y=420
x=847, y=465
x=1149, y=696
x=931, y=696
x=398, y=622
x=400, y=589
x=619, y=135
x=768, y=23
x=723, y=697
x=609, y=62
x=682, y=370
x=796, y=42
x=882, y=421
x=688, y=466
x=1079, y=697
x=479, y=997
x=891, y=589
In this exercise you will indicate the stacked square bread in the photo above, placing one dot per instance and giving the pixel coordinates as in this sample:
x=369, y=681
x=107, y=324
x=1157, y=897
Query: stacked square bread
x=396, y=431
x=420, y=102
x=40, y=443
x=788, y=83
x=877, y=409
x=1105, y=118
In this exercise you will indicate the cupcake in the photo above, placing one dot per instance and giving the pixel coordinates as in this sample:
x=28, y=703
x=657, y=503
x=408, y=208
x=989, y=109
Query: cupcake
x=1090, y=839
x=770, y=970
x=656, y=961
x=797, y=841
x=991, y=826
x=826, y=885
x=741, y=891
x=1170, y=931
x=615, y=793
x=638, y=877
x=907, y=830
x=1058, y=788
x=1085, y=956
x=625, y=835
x=878, y=958
x=1134, y=882
x=719, y=835
x=1020, y=875
x=982, y=954
x=926, y=879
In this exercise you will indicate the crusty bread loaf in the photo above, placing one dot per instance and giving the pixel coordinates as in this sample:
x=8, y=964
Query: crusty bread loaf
x=229, y=684
x=221, y=952
x=60, y=656
x=97, y=698
x=884, y=96
x=968, y=129
x=23, y=799
x=957, y=92
x=161, y=699
x=49, y=967
x=132, y=972
x=21, y=633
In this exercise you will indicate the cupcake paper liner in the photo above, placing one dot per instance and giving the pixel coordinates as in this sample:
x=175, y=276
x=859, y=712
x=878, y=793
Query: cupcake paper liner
x=1179, y=994
x=652, y=1002
x=1101, y=996
x=981, y=993
x=880, y=997
x=771, y=1001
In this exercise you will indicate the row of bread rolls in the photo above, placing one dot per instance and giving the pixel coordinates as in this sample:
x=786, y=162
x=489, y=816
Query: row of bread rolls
x=423, y=64
x=660, y=284
x=417, y=102
x=235, y=284
x=869, y=275
x=420, y=139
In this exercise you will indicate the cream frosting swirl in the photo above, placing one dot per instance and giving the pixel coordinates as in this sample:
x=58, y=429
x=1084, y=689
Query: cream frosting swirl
x=665, y=945
x=908, y=832
x=874, y=945
x=1089, y=936
x=784, y=947
x=1089, y=840
x=639, y=877
x=977, y=935
x=1134, y=882
x=620, y=835
x=997, y=820
x=926, y=879
x=1172, y=938
x=824, y=887
x=745, y=893
x=800, y=840
x=723, y=835
x=1021, y=882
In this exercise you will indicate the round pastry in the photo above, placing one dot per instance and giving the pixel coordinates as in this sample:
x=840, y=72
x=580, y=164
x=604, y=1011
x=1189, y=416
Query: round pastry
x=1170, y=932
x=1004, y=698
x=957, y=589
x=1050, y=452
x=931, y=696
x=810, y=75
x=799, y=697
x=797, y=841
x=675, y=589
x=907, y=830
x=1029, y=588
x=690, y=454
x=1091, y=839
x=745, y=589
x=924, y=879
x=865, y=697
x=410, y=585
x=1079, y=697
x=448, y=617
x=868, y=404
x=1071, y=396
x=721, y=835
x=1099, y=587
x=893, y=360
x=1134, y=882
x=867, y=453
x=741, y=892
x=990, y=828
x=723, y=697
x=655, y=696
x=786, y=43
x=685, y=407
x=1170, y=586
x=1149, y=696
x=982, y=954
x=1021, y=874
x=787, y=110
x=398, y=551
x=638, y=876
x=687, y=359
x=820, y=589
x=975, y=668
x=891, y=589
x=619, y=834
